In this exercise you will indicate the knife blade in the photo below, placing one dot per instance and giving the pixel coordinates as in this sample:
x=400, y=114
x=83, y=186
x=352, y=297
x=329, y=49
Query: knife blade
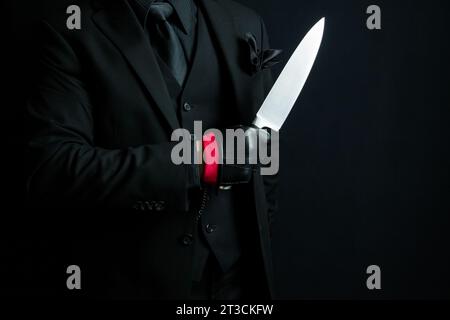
x=286, y=90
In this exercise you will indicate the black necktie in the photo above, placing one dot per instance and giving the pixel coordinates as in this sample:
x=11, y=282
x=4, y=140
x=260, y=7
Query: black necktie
x=165, y=41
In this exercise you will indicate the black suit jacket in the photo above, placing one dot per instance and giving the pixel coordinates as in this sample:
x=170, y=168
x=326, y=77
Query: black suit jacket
x=100, y=122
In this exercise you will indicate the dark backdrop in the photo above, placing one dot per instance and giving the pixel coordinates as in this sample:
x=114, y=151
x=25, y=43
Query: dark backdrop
x=364, y=164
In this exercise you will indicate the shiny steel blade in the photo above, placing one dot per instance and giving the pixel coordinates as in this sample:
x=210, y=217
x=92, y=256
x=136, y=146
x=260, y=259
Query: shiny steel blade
x=287, y=88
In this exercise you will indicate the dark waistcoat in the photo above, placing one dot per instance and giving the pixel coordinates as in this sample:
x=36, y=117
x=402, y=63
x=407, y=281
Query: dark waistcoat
x=207, y=97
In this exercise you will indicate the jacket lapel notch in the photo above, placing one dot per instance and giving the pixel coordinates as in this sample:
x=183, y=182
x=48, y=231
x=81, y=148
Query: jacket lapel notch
x=117, y=21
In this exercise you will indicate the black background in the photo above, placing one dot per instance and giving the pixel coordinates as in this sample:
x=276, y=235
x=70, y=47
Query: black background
x=364, y=164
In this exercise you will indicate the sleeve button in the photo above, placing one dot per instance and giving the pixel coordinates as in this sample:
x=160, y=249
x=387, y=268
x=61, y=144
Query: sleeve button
x=159, y=206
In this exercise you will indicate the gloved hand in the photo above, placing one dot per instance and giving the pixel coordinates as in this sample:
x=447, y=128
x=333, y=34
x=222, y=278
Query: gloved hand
x=233, y=156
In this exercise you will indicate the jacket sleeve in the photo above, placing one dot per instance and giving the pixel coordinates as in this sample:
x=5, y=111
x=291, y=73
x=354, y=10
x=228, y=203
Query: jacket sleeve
x=65, y=168
x=270, y=182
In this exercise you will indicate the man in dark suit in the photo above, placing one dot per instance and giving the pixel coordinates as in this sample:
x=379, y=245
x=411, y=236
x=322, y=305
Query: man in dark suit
x=107, y=100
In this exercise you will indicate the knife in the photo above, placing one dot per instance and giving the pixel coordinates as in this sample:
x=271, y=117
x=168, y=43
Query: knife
x=284, y=93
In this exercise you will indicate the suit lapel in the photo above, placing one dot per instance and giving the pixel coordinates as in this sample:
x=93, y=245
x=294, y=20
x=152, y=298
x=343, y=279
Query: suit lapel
x=223, y=27
x=119, y=24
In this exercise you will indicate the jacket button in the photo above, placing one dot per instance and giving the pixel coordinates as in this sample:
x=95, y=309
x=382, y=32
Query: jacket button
x=210, y=228
x=186, y=239
x=187, y=107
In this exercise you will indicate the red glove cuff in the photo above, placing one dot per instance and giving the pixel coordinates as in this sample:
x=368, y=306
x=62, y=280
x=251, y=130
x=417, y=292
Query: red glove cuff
x=211, y=159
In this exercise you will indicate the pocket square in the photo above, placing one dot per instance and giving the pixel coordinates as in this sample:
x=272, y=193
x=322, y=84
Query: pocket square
x=260, y=59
